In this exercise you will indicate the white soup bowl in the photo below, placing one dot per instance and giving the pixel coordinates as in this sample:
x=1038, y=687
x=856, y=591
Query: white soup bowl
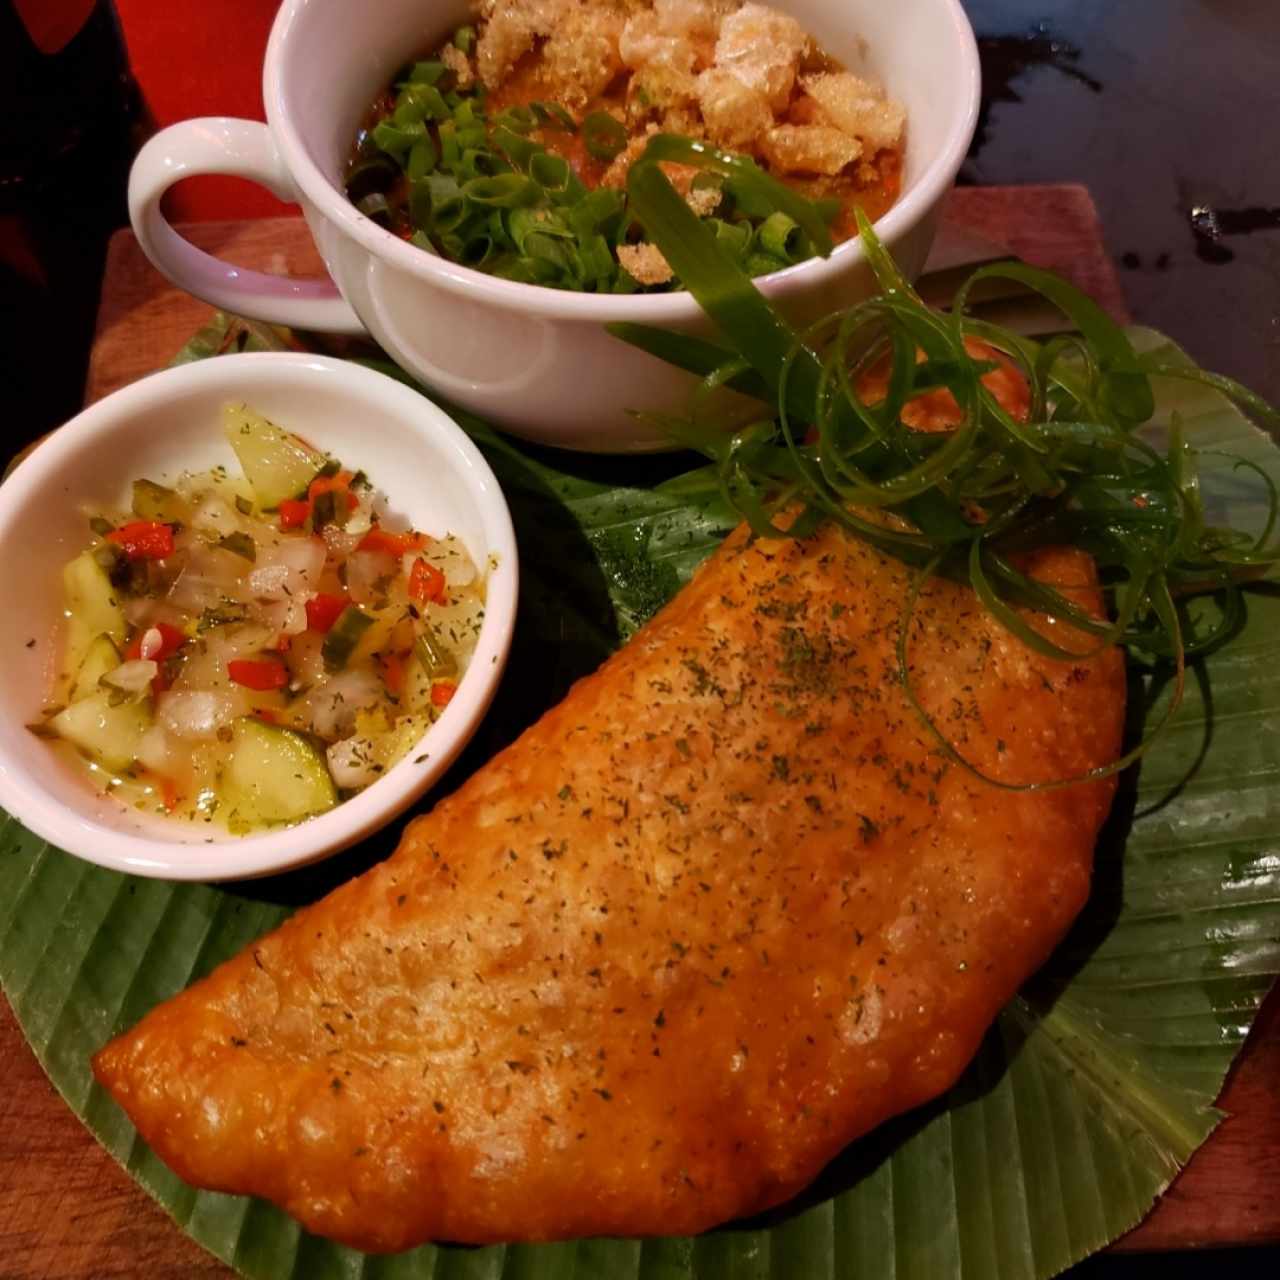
x=535, y=361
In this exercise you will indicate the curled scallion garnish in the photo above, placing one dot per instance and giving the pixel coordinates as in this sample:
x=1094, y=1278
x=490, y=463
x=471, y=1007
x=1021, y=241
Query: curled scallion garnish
x=968, y=499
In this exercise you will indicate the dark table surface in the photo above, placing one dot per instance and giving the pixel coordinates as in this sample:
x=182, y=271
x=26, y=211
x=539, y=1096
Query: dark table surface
x=1168, y=110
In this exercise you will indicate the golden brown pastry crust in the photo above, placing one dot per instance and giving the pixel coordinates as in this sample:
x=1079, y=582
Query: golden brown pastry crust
x=721, y=911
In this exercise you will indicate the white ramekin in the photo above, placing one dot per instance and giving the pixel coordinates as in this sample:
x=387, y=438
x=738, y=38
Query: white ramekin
x=158, y=427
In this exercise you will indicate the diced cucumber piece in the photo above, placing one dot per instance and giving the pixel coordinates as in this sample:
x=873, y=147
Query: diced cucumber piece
x=276, y=464
x=102, y=656
x=274, y=775
x=93, y=607
x=153, y=501
x=110, y=734
x=91, y=599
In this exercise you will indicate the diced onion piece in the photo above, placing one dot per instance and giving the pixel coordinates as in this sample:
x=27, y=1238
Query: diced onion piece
x=215, y=518
x=268, y=581
x=153, y=749
x=457, y=626
x=369, y=573
x=143, y=611
x=133, y=678
x=287, y=567
x=331, y=707
x=340, y=542
x=354, y=762
x=208, y=580
x=450, y=556
x=197, y=713
x=288, y=617
x=305, y=658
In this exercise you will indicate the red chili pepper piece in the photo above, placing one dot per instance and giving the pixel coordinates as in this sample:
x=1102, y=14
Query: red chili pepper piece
x=426, y=583
x=294, y=513
x=169, y=794
x=392, y=666
x=441, y=692
x=397, y=544
x=339, y=483
x=324, y=610
x=258, y=673
x=143, y=539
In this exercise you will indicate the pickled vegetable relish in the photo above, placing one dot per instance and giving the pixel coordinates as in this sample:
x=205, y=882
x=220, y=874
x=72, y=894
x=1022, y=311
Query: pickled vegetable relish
x=250, y=650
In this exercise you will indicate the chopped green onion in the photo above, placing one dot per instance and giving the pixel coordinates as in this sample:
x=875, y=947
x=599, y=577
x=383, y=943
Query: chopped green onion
x=505, y=190
x=428, y=71
x=604, y=136
x=554, y=115
x=239, y=544
x=781, y=238
x=419, y=102
x=436, y=658
x=422, y=159
x=341, y=639
x=396, y=139
x=153, y=501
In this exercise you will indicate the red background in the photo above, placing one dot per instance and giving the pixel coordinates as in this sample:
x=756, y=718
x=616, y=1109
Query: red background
x=202, y=58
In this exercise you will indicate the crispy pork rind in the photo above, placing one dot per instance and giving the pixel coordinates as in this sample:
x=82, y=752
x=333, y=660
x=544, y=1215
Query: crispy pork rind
x=509, y=29
x=735, y=115
x=762, y=47
x=645, y=263
x=858, y=107
x=696, y=19
x=808, y=148
x=459, y=64
x=580, y=53
x=644, y=42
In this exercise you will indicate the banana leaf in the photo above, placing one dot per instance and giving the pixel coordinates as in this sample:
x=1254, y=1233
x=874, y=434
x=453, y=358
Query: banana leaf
x=1093, y=1088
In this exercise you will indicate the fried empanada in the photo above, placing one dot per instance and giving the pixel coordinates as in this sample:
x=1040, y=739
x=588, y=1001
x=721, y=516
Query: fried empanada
x=721, y=911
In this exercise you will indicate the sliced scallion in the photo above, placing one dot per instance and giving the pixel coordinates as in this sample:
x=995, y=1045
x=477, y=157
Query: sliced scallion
x=436, y=658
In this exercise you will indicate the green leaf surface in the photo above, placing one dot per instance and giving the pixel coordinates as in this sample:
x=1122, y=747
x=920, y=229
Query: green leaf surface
x=1088, y=1094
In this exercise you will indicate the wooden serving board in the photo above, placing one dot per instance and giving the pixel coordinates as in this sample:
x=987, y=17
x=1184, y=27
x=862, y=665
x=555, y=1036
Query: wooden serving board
x=68, y=1211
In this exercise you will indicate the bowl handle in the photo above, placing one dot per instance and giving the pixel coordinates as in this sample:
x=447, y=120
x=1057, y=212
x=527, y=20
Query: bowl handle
x=243, y=148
